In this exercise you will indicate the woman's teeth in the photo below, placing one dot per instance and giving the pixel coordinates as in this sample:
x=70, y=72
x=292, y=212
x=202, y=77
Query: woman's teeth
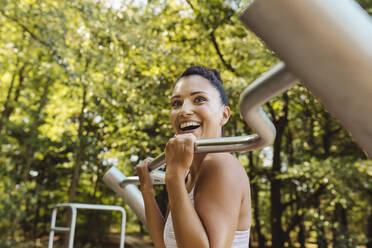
x=189, y=126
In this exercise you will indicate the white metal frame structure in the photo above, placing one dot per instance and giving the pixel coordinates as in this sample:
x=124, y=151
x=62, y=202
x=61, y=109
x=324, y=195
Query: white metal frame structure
x=71, y=230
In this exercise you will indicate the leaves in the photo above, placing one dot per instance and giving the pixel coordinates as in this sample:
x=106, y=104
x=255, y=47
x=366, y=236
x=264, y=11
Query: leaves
x=88, y=83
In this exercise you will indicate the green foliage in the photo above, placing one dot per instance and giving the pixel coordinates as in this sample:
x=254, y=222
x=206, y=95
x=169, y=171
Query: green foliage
x=86, y=85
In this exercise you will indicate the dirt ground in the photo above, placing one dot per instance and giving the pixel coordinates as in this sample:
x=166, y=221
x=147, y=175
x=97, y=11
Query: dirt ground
x=113, y=241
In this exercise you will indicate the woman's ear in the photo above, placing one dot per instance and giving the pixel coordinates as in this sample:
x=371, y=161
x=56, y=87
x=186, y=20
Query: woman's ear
x=225, y=115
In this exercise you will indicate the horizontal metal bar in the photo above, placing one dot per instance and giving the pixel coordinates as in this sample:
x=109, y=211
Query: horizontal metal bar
x=61, y=229
x=157, y=176
x=225, y=144
x=91, y=206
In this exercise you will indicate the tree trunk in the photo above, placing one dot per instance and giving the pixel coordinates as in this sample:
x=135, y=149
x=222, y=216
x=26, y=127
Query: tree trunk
x=369, y=227
x=34, y=132
x=344, y=222
x=29, y=154
x=276, y=210
x=261, y=237
x=255, y=203
x=8, y=108
x=7, y=101
x=327, y=135
x=37, y=219
x=79, y=158
x=321, y=239
x=340, y=235
x=301, y=233
x=80, y=151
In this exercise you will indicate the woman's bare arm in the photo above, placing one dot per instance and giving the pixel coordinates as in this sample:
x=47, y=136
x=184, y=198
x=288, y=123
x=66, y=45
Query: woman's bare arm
x=218, y=197
x=154, y=219
x=188, y=228
x=213, y=220
x=219, y=194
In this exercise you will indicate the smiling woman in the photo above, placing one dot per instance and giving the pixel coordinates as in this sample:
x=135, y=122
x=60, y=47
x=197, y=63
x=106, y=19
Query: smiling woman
x=209, y=194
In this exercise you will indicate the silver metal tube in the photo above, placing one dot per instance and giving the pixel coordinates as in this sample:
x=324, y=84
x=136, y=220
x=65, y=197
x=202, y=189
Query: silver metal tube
x=326, y=44
x=233, y=144
x=226, y=144
x=157, y=176
x=268, y=85
x=130, y=194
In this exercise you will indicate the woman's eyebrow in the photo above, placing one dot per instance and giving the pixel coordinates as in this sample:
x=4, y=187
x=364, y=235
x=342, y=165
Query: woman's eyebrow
x=197, y=92
x=176, y=96
x=192, y=93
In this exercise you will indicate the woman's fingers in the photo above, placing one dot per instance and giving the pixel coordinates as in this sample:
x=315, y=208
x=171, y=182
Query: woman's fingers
x=144, y=174
x=144, y=164
x=179, y=153
x=183, y=141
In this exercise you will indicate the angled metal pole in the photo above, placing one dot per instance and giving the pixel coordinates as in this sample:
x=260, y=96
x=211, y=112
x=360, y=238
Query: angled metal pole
x=327, y=45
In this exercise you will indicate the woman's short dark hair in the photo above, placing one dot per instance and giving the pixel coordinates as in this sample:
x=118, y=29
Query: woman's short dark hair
x=212, y=75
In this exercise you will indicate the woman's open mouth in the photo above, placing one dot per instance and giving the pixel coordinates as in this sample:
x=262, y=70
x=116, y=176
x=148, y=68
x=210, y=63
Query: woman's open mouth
x=188, y=126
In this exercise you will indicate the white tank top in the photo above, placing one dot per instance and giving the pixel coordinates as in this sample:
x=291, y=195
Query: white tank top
x=241, y=238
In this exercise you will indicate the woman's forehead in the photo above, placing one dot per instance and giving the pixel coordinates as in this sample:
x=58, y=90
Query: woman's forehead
x=193, y=83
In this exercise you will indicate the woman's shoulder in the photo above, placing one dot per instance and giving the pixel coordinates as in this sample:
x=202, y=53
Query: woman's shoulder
x=222, y=179
x=221, y=162
x=222, y=167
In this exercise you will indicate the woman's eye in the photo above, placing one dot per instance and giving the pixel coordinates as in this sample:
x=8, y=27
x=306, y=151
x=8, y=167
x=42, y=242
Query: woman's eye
x=199, y=99
x=176, y=103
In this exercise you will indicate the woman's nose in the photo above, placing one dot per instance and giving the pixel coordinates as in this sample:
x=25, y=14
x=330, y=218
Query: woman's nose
x=187, y=108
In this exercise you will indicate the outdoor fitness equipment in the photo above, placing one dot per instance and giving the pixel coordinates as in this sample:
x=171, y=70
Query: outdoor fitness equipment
x=326, y=44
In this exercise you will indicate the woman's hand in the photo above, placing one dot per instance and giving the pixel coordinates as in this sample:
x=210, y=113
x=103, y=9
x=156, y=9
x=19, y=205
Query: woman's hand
x=144, y=175
x=179, y=153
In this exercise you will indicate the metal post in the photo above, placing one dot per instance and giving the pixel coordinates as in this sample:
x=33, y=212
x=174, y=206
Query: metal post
x=122, y=230
x=130, y=194
x=52, y=226
x=72, y=227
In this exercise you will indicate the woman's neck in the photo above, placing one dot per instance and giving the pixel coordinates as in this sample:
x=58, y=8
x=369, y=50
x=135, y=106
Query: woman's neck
x=195, y=168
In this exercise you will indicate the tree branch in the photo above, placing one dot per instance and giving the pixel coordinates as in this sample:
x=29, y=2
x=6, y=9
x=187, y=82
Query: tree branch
x=35, y=37
x=214, y=41
x=54, y=53
x=216, y=46
x=271, y=111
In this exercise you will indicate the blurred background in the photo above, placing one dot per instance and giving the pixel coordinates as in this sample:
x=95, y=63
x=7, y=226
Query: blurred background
x=85, y=85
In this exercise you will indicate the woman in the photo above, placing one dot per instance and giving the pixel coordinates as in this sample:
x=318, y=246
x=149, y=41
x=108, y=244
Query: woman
x=209, y=194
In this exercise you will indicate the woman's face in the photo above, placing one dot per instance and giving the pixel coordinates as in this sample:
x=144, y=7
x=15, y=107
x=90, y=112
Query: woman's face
x=197, y=108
